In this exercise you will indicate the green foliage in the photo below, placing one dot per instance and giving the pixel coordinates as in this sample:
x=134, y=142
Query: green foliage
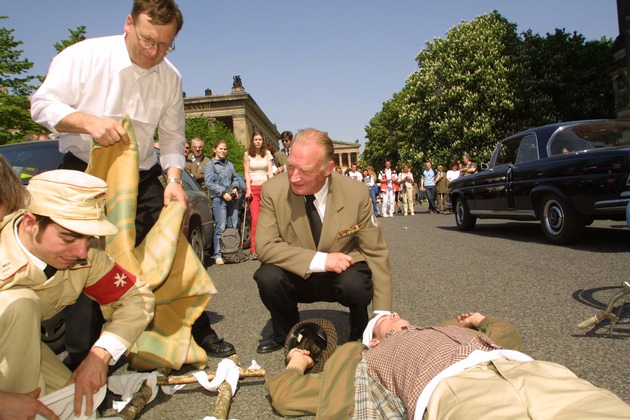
x=210, y=133
x=76, y=35
x=15, y=118
x=484, y=82
x=12, y=66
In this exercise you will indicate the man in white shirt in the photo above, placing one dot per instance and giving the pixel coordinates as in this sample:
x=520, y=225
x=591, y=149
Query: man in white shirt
x=91, y=85
x=355, y=174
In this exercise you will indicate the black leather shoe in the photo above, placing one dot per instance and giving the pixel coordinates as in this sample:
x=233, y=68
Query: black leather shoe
x=269, y=345
x=218, y=348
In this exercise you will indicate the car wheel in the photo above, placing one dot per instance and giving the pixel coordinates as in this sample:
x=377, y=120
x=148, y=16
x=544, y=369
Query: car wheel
x=463, y=218
x=195, y=237
x=560, y=222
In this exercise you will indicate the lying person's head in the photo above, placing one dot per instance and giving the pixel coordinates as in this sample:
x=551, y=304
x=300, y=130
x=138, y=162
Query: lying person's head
x=381, y=324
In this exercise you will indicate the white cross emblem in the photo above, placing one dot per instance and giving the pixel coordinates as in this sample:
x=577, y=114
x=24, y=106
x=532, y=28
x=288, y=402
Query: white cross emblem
x=120, y=280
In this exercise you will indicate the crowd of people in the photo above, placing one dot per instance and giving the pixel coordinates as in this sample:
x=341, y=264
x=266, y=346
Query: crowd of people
x=315, y=234
x=398, y=192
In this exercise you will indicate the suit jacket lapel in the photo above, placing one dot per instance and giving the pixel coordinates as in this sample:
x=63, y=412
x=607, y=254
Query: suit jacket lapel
x=330, y=228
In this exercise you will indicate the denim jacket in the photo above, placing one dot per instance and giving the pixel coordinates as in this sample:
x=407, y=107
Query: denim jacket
x=220, y=177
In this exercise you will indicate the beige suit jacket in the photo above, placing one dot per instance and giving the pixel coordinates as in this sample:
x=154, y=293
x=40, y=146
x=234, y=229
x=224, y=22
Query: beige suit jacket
x=284, y=236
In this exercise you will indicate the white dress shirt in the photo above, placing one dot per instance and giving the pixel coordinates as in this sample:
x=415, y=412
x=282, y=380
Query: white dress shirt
x=96, y=76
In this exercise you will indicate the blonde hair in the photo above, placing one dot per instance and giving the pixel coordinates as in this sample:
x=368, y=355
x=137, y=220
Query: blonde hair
x=321, y=138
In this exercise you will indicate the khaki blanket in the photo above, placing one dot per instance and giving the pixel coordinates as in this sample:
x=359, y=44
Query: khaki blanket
x=164, y=259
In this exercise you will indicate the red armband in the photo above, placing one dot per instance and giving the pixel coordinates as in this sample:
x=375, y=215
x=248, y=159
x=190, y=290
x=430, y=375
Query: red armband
x=111, y=286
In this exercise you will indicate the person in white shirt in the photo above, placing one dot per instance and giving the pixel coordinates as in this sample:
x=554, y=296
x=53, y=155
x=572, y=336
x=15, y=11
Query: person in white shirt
x=355, y=174
x=91, y=85
x=389, y=187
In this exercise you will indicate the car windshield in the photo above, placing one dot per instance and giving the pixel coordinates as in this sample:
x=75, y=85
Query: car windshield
x=585, y=136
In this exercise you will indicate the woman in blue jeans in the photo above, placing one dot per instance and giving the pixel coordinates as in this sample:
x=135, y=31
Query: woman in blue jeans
x=223, y=185
x=369, y=178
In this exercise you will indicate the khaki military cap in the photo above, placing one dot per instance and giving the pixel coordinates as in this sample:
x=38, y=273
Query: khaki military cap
x=73, y=200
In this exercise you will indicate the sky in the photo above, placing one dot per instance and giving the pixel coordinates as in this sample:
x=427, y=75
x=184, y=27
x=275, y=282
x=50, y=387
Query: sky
x=328, y=64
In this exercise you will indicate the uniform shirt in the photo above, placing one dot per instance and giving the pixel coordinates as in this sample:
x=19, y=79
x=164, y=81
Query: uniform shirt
x=97, y=76
x=124, y=298
x=386, y=176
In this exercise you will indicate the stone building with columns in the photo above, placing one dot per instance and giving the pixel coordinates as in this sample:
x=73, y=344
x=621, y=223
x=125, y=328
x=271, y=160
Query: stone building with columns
x=242, y=116
x=237, y=110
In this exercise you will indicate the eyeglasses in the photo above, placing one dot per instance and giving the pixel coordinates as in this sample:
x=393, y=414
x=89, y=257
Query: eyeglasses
x=148, y=43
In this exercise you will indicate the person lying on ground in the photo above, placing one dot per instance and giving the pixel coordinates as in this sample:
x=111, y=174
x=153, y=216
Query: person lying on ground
x=465, y=368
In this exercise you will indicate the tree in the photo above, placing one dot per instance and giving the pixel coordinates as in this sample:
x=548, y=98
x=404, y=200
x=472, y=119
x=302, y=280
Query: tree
x=484, y=82
x=15, y=86
x=565, y=78
x=76, y=35
x=211, y=132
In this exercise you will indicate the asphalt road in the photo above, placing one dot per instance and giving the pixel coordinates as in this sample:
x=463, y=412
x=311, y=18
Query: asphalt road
x=501, y=268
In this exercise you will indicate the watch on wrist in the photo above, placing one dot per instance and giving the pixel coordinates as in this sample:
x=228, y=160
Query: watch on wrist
x=175, y=180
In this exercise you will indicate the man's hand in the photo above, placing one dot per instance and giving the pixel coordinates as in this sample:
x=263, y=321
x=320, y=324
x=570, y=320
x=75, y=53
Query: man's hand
x=89, y=377
x=23, y=406
x=470, y=319
x=107, y=131
x=104, y=131
x=175, y=191
x=338, y=262
x=299, y=359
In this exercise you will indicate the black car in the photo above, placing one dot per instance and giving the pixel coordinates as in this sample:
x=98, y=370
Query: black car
x=565, y=175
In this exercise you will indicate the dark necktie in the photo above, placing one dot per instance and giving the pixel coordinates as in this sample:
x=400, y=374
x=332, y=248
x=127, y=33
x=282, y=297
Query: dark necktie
x=313, y=218
x=49, y=271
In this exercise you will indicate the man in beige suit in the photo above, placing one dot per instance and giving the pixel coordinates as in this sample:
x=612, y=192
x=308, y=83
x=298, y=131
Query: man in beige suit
x=346, y=260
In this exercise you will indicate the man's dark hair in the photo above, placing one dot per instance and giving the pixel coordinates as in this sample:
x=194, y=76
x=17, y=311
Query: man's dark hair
x=286, y=135
x=160, y=12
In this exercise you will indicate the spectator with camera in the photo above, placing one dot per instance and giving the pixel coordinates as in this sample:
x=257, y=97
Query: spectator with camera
x=223, y=186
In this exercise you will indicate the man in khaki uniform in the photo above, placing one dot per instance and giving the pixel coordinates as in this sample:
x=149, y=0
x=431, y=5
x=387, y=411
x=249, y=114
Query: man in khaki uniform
x=46, y=261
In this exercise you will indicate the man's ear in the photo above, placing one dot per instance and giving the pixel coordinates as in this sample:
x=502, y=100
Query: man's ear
x=29, y=221
x=374, y=342
x=128, y=24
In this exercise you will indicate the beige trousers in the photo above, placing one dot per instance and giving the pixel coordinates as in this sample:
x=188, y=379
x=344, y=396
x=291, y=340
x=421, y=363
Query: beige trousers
x=505, y=389
x=25, y=362
x=408, y=199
